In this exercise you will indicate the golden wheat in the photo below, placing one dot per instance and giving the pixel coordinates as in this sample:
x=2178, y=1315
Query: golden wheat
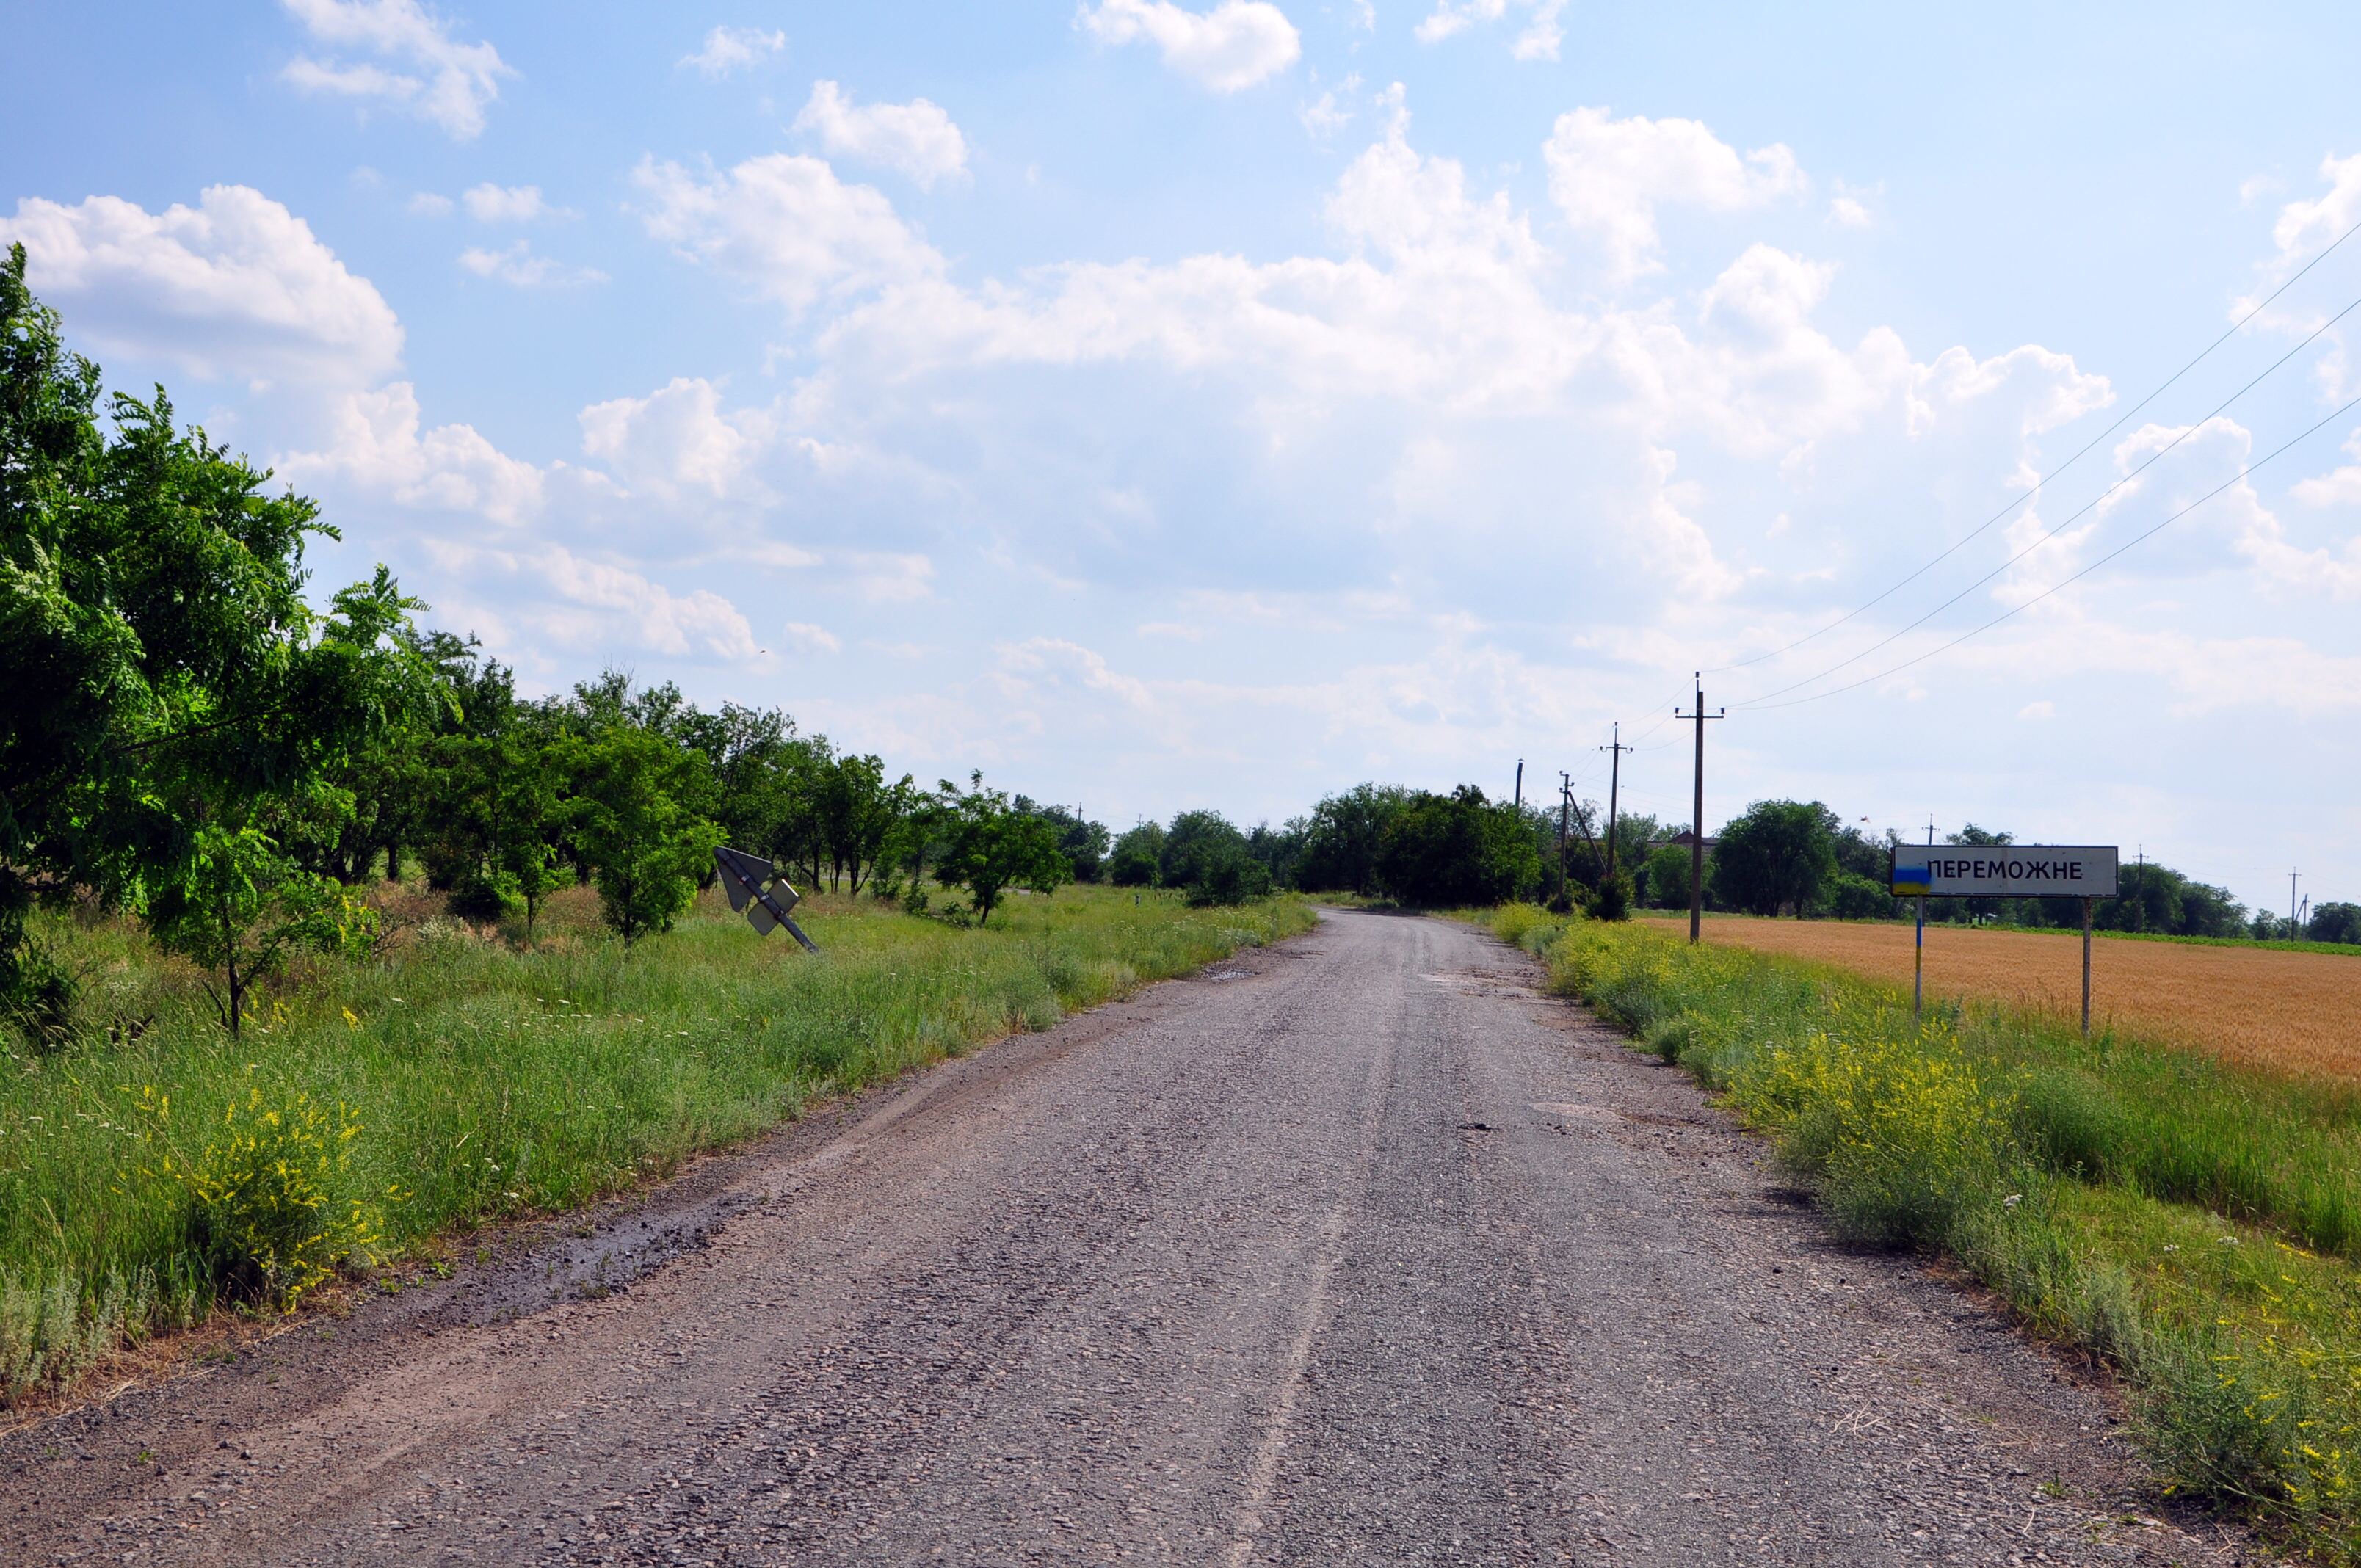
x=2283, y=1012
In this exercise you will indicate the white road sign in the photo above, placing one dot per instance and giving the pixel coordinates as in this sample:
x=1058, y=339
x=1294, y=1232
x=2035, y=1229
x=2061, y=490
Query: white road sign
x=2005, y=871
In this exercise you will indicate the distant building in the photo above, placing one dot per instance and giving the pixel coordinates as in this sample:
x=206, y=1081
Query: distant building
x=1683, y=838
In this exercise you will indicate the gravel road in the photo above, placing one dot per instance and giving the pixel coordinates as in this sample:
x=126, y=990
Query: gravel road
x=1353, y=1251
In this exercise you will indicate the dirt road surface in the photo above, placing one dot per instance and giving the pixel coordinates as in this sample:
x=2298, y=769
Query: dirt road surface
x=1354, y=1251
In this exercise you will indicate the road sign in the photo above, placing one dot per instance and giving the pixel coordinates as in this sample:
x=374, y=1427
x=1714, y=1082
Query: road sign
x=743, y=878
x=2003, y=871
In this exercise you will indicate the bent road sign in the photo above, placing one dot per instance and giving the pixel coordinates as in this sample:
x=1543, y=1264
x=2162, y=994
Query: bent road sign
x=2005, y=871
x=743, y=876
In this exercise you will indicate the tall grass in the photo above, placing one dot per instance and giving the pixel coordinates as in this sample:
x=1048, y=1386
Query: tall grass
x=489, y=1081
x=2194, y=1223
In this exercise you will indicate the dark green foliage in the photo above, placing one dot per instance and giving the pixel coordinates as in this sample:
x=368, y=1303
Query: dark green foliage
x=1228, y=874
x=175, y=713
x=1278, y=850
x=2335, y=923
x=1664, y=879
x=1776, y=857
x=1342, y=837
x=1084, y=844
x=1137, y=854
x=639, y=803
x=2151, y=897
x=1611, y=898
x=1193, y=841
x=992, y=847
x=1456, y=849
x=1849, y=896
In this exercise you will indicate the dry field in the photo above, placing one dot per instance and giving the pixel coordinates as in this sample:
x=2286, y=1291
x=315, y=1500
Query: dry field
x=2285, y=1011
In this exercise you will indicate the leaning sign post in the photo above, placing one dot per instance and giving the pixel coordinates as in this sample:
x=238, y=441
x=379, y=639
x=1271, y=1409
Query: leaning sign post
x=743, y=878
x=2086, y=871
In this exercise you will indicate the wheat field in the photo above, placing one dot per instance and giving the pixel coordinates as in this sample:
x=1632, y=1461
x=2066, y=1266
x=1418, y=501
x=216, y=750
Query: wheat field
x=2281, y=1012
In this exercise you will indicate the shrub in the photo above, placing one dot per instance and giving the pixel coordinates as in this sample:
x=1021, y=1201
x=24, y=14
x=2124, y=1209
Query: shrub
x=262, y=1215
x=1227, y=876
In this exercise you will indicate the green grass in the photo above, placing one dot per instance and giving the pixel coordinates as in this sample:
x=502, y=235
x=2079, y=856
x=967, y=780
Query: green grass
x=2198, y=1225
x=490, y=1082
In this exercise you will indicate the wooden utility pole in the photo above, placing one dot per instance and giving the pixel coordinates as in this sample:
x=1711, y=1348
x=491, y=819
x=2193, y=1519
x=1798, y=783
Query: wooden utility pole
x=1614, y=783
x=1697, y=825
x=1520, y=803
x=1564, y=799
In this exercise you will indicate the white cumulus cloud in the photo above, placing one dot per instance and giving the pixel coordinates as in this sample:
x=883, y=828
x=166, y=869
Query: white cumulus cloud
x=676, y=439
x=784, y=225
x=581, y=603
x=1540, y=40
x=1609, y=176
x=730, y=48
x=491, y=204
x=1229, y=48
x=375, y=441
x=433, y=75
x=235, y=285
x=916, y=138
x=519, y=267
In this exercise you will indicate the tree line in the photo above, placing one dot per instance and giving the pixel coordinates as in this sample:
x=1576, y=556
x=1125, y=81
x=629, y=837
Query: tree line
x=186, y=737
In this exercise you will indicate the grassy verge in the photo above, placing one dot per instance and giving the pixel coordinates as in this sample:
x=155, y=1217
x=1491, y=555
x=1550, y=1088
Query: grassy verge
x=465, y=1079
x=2196, y=1225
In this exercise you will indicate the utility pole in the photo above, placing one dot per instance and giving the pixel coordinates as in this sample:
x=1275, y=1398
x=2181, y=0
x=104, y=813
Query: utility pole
x=2290, y=903
x=1520, y=787
x=1564, y=799
x=1614, y=782
x=1697, y=825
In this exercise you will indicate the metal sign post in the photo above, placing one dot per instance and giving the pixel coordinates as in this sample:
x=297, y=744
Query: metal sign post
x=743, y=876
x=2086, y=871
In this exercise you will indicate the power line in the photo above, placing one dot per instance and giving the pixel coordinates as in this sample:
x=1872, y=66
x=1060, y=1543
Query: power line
x=2053, y=473
x=1995, y=621
x=2153, y=458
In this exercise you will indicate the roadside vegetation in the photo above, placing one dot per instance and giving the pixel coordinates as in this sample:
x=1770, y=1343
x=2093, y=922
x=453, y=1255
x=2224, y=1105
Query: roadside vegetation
x=2196, y=1225
x=465, y=1076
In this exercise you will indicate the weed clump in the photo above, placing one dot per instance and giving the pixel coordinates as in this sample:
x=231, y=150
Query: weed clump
x=263, y=1217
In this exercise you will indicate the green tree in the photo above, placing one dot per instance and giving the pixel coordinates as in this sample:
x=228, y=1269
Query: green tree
x=993, y=847
x=1457, y=849
x=2334, y=923
x=1084, y=844
x=1665, y=877
x=1137, y=857
x=163, y=679
x=1343, y=836
x=1193, y=844
x=239, y=907
x=1778, y=854
x=639, y=802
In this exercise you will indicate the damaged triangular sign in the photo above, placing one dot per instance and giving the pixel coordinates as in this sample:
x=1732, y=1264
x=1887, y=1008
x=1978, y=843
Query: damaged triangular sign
x=743, y=877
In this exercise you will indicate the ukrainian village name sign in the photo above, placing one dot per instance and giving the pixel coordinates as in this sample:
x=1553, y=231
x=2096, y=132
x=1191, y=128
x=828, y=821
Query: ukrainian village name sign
x=2005, y=871
x=2086, y=871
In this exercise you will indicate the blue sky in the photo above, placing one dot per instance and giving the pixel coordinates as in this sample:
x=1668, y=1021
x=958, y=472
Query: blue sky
x=1162, y=406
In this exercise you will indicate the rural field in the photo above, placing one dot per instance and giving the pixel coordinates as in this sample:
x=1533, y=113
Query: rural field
x=2279, y=1011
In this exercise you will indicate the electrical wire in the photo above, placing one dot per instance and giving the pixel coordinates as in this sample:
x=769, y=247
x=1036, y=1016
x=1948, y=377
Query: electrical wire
x=2118, y=550
x=2153, y=458
x=2053, y=473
